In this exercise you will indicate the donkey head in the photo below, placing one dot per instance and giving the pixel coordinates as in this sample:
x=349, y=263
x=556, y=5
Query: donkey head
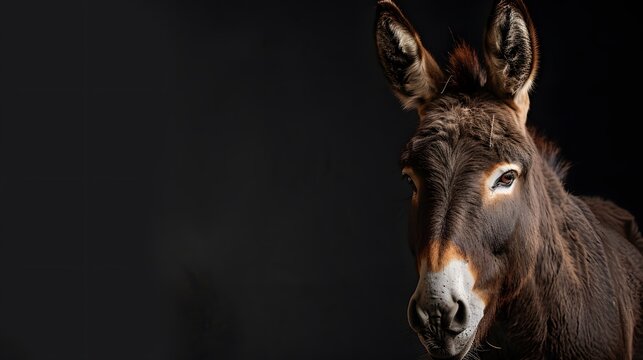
x=468, y=165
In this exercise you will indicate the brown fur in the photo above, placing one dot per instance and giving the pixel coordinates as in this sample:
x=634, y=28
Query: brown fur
x=562, y=275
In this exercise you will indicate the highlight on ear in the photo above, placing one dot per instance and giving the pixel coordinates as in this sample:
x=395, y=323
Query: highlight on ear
x=411, y=70
x=511, y=52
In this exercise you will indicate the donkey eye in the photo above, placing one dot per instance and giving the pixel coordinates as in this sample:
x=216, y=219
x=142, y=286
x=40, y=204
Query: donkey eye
x=408, y=179
x=506, y=179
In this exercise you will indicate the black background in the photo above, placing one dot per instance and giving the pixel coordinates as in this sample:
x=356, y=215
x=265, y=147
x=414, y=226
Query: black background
x=219, y=179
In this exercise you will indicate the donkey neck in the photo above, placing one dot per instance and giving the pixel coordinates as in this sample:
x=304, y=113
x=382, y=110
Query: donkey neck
x=570, y=242
x=557, y=304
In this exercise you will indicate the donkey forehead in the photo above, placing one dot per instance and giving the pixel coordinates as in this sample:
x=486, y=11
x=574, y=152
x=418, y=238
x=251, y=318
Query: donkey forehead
x=465, y=115
x=477, y=133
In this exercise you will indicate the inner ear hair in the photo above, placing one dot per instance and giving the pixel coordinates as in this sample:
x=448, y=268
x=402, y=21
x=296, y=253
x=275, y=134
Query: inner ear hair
x=410, y=69
x=511, y=53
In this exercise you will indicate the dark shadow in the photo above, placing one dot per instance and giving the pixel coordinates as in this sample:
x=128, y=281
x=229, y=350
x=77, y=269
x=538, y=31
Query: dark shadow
x=205, y=324
x=11, y=350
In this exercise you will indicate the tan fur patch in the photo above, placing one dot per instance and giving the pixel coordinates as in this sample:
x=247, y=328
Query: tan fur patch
x=483, y=294
x=439, y=255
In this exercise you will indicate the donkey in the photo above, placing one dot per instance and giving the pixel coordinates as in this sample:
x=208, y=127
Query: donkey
x=510, y=265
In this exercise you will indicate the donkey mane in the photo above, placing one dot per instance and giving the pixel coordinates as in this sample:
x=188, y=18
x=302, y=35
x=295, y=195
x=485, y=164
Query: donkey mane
x=465, y=73
x=550, y=152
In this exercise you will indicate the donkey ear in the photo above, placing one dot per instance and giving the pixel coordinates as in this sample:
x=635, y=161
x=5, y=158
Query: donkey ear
x=411, y=70
x=511, y=52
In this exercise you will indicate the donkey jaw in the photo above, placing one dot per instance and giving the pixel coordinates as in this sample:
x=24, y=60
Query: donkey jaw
x=442, y=353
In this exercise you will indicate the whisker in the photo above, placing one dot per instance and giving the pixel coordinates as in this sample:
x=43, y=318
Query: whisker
x=473, y=353
x=493, y=346
x=446, y=84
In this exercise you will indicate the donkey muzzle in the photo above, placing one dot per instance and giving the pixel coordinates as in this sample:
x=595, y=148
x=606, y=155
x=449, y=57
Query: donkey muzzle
x=445, y=311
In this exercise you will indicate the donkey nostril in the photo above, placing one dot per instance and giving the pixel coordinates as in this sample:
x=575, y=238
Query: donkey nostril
x=456, y=320
x=422, y=315
x=461, y=314
x=418, y=317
